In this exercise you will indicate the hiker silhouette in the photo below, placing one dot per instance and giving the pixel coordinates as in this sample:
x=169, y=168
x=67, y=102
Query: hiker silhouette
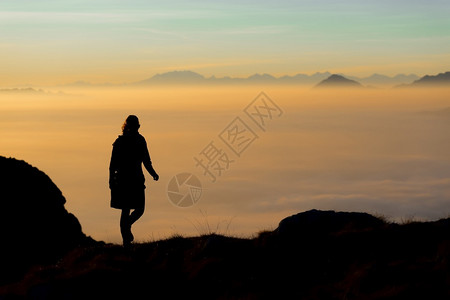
x=126, y=178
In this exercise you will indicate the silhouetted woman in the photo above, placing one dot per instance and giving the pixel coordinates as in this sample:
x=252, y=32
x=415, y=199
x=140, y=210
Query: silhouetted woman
x=126, y=179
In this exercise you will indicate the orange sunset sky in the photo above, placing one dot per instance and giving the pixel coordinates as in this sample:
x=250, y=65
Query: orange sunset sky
x=50, y=42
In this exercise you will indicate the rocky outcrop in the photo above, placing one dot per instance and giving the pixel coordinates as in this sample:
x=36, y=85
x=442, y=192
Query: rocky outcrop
x=34, y=225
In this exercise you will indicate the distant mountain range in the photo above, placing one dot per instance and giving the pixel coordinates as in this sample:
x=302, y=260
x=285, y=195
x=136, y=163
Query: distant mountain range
x=28, y=90
x=379, y=79
x=190, y=77
x=439, y=79
x=335, y=80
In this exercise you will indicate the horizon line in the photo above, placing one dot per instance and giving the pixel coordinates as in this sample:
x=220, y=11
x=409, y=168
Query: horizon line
x=214, y=77
x=201, y=77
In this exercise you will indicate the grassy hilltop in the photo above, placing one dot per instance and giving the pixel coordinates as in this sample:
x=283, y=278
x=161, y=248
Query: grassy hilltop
x=311, y=255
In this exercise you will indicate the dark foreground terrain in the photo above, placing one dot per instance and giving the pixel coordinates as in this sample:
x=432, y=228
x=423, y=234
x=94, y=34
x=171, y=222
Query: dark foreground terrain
x=311, y=255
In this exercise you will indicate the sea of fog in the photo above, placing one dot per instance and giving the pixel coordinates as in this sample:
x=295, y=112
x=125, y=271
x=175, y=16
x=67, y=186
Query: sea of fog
x=262, y=156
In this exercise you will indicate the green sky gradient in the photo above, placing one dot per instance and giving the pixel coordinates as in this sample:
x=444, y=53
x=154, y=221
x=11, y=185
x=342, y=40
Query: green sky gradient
x=126, y=40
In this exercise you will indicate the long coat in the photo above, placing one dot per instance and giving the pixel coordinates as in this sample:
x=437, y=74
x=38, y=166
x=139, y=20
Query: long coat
x=126, y=178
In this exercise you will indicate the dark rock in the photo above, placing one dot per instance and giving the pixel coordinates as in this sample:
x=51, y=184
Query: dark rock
x=318, y=223
x=34, y=225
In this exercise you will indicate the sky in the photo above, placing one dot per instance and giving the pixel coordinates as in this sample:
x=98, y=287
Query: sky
x=56, y=42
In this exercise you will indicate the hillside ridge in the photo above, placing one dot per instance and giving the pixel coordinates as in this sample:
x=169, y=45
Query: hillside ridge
x=314, y=254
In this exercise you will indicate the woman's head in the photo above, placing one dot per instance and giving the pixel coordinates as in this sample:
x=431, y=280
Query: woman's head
x=131, y=124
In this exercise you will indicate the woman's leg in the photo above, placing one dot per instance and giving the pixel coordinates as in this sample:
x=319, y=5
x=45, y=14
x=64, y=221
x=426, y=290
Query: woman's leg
x=139, y=211
x=125, y=226
x=135, y=215
x=127, y=219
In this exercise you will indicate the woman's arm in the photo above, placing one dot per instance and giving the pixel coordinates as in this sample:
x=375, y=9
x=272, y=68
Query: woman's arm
x=148, y=164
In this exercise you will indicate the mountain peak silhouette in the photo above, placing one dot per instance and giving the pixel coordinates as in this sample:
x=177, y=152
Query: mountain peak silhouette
x=184, y=76
x=439, y=79
x=261, y=77
x=336, y=80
